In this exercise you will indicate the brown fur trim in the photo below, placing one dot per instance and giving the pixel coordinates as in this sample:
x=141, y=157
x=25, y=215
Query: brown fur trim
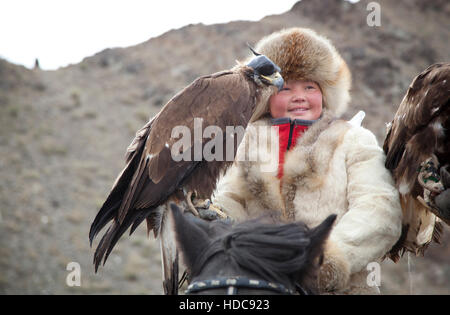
x=263, y=185
x=334, y=273
x=310, y=159
x=302, y=54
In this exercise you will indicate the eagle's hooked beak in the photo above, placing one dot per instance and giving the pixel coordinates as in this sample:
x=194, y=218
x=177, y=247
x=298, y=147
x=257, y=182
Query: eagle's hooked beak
x=275, y=79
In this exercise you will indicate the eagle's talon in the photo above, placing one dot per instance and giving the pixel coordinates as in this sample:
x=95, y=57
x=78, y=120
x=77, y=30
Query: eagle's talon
x=190, y=205
x=204, y=208
x=428, y=176
x=210, y=211
x=202, y=204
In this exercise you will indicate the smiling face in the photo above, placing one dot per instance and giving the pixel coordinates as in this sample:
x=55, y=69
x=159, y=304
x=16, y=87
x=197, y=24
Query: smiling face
x=297, y=100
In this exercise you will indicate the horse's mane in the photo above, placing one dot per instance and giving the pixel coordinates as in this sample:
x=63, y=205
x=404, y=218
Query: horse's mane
x=271, y=251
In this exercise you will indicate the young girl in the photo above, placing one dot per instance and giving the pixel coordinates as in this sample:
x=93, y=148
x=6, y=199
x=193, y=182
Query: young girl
x=322, y=165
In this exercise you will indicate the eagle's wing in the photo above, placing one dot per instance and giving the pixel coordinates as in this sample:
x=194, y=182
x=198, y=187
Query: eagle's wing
x=415, y=135
x=151, y=175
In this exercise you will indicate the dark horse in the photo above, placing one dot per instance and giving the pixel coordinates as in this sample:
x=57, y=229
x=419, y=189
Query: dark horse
x=250, y=257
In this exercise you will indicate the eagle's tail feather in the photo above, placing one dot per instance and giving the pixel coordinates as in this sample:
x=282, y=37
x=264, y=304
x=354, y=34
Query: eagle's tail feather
x=109, y=240
x=105, y=215
x=112, y=204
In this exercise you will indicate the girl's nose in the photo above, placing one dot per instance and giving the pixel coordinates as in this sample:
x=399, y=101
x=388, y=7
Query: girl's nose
x=298, y=97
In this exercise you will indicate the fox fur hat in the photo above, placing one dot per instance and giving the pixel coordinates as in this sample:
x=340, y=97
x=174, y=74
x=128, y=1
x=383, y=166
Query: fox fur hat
x=302, y=54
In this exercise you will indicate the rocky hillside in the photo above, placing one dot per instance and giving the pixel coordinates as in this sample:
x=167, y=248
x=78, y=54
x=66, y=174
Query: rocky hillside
x=63, y=135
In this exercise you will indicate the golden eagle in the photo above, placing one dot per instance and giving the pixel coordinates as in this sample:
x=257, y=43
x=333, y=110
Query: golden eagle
x=417, y=148
x=155, y=174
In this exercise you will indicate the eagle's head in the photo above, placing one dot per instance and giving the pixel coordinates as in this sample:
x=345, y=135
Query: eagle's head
x=265, y=71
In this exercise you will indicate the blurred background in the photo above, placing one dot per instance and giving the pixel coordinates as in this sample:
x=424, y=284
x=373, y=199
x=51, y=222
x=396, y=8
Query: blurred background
x=78, y=79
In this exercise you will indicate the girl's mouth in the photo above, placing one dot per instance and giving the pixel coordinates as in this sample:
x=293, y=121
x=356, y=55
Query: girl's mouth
x=298, y=110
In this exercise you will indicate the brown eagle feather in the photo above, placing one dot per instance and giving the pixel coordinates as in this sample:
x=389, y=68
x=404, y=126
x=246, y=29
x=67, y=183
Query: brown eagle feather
x=418, y=131
x=152, y=178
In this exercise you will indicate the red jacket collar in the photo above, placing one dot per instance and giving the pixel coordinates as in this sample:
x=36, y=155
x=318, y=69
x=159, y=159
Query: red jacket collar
x=289, y=130
x=287, y=120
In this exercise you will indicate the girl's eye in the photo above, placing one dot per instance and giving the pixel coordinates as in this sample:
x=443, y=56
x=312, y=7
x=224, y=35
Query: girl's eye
x=285, y=89
x=310, y=87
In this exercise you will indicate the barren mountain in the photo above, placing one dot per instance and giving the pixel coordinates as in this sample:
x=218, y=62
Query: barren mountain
x=63, y=135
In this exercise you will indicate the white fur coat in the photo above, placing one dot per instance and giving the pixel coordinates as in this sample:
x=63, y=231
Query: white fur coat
x=334, y=168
